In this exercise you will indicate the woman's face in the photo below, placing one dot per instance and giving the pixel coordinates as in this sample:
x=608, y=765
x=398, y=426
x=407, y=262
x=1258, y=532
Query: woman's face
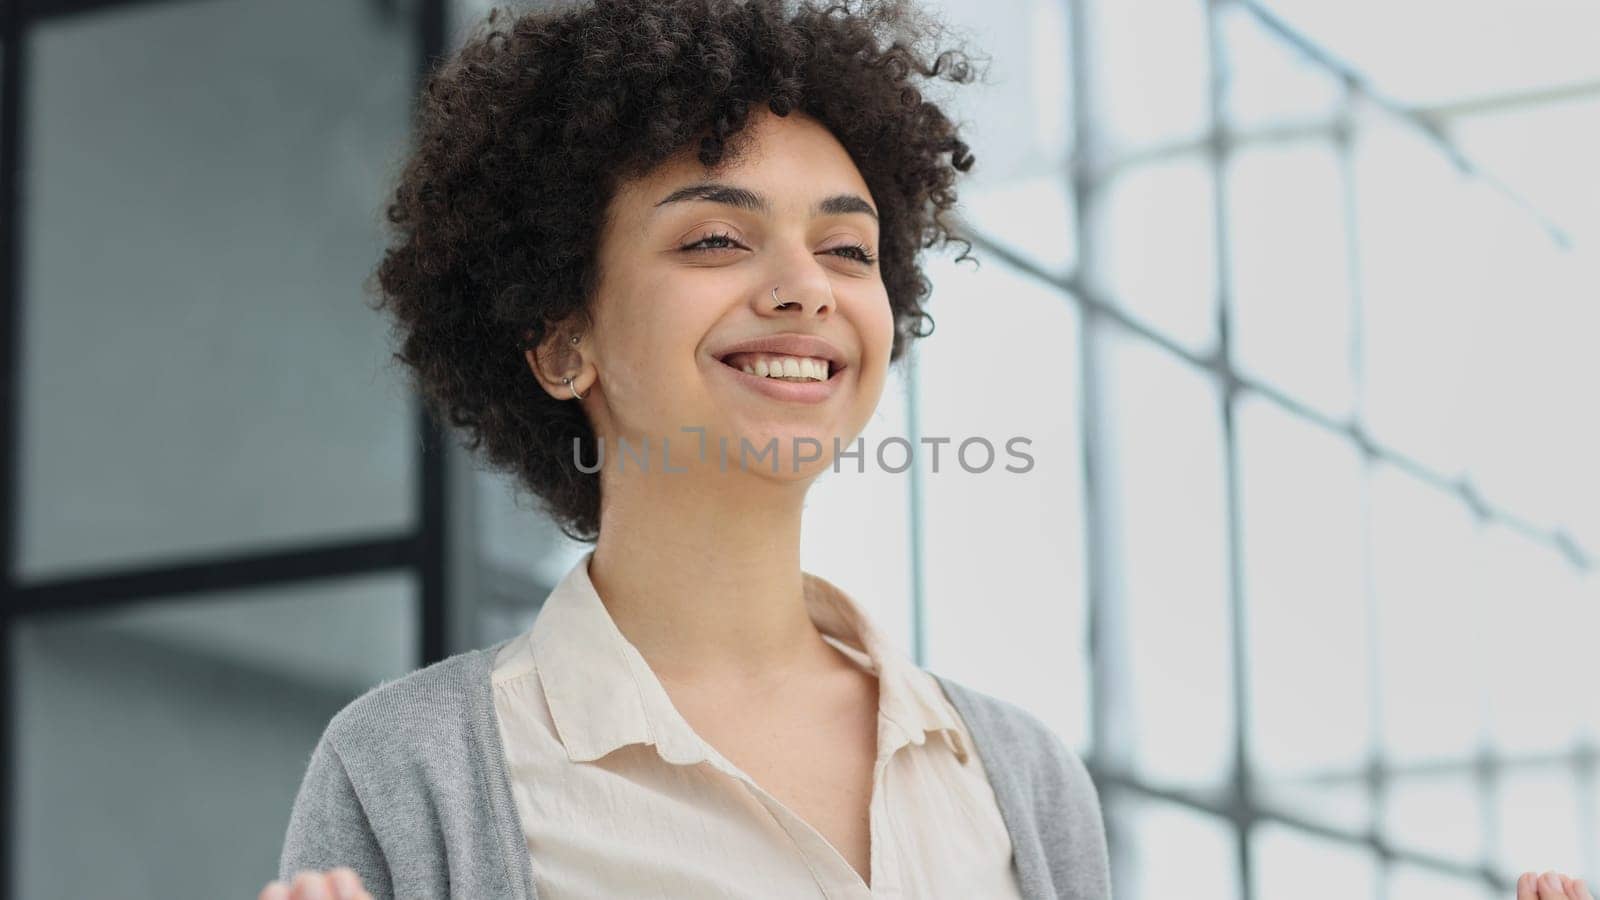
x=688, y=264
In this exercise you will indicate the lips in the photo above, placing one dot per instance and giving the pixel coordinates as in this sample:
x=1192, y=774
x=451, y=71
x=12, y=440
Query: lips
x=789, y=344
x=796, y=392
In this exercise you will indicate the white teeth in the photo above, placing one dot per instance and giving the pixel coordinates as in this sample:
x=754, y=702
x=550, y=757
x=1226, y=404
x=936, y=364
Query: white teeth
x=809, y=368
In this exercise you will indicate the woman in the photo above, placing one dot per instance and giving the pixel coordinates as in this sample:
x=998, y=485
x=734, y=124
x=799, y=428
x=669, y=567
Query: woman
x=681, y=238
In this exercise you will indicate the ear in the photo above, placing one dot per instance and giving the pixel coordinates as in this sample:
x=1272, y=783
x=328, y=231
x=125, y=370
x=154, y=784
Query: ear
x=557, y=356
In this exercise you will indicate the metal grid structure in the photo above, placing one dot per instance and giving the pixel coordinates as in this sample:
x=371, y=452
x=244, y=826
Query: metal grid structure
x=1239, y=804
x=421, y=549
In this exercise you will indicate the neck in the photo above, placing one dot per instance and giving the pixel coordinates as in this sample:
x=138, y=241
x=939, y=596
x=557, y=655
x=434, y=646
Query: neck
x=702, y=575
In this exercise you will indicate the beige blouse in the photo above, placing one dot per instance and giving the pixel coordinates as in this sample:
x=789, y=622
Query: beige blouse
x=619, y=797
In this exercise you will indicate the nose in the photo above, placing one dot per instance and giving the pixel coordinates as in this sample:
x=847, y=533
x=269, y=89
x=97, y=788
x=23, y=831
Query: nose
x=806, y=302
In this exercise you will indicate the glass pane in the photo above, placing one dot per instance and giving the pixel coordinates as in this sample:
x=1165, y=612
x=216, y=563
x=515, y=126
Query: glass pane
x=1031, y=217
x=1310, y=657
x=1289, y=863
x=1148, y=70
x=1583, y=615
x=1531, y=601
x=1269, y=81
x=516, y=535
x=1544, y=151
x=1527, y=402
x=1172, y=851
x=1338, y=799
x=1479, y=324
x=857, y=529
x=202, y=203
x=1425, y=249
x=1412, y=882
x=1018, y=118
x=465, y=15
x=1291, y=286
x=518, y=552
x=1540, y=822
x=1432, y=51
x=1440, y=815
x=1003, y=559
x=1157, y=254
x=1529, y=408
x=1590, y=806
x=1170, y=551
x=194, y=715
x=1430, y=625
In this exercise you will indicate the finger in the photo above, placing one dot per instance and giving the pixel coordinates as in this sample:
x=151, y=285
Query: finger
x=1550, y=887
x=1528, y=886
x=346, y=883
x=1580, y=890
x=276, y=890
x=310, y=885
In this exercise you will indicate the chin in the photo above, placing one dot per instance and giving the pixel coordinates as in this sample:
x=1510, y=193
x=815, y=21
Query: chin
x=800, y=452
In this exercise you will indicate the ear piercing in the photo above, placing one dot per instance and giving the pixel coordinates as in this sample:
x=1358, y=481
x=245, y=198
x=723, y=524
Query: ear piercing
x=567, y=380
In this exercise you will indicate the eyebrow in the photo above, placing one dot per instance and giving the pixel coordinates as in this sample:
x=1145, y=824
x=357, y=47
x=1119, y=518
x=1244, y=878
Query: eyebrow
x=744, y=198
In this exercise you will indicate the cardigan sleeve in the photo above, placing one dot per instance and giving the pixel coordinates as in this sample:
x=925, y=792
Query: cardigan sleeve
x=1047, y=797
x=1072, y=819
x=329, y=827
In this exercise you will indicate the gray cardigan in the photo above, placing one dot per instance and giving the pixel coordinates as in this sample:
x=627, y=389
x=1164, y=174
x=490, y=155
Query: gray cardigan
x=408, y=786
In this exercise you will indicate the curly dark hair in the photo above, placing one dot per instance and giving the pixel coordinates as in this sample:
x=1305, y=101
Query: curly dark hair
x=522, y=137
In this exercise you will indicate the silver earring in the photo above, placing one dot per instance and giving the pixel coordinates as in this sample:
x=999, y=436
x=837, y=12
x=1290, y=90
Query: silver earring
x=568, y=379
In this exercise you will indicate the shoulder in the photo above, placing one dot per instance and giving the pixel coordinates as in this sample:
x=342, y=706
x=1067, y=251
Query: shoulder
x=1046, y=796
x=434, y=711
x=1017, y=745
x=399, y=788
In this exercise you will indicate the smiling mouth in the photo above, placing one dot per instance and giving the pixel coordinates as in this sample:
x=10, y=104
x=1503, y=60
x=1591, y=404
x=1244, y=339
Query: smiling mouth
x=781, y=367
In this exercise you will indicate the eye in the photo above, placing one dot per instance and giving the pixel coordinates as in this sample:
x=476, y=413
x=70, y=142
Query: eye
x=857, y=252
x=715, y=241
x=721, y=240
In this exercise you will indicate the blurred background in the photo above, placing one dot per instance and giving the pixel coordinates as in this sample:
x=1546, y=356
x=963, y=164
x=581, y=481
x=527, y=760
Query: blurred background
x=1297, y=302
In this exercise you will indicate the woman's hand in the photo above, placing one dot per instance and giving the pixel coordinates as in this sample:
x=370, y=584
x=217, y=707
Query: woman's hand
x=1550, y=886
x=345, y=884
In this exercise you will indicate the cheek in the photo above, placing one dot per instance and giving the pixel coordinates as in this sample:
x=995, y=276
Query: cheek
x=877, y=333
x=874, y=322
x=653, y=352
